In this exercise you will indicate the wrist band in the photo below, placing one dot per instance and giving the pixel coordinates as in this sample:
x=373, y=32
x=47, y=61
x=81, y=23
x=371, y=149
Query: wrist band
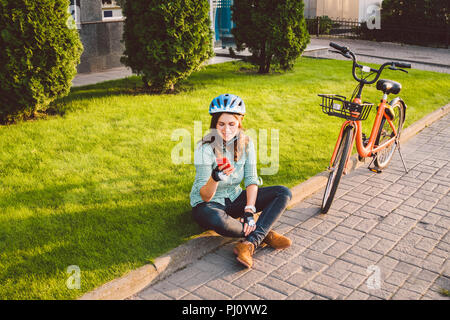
x=215, y=174
x=251, y=208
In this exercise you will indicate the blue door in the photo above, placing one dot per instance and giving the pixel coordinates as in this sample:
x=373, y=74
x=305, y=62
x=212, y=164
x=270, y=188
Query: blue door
x=223, y=23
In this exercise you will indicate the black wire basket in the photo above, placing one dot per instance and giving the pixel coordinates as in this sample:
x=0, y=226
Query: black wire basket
x=338, y=106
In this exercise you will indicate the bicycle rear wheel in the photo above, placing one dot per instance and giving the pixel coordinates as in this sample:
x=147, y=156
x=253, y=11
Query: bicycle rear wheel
x=337, y=169
x=385, y=133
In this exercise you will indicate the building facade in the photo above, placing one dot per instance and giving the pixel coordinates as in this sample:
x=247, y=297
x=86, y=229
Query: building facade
x=341, y=9
x=100, y=25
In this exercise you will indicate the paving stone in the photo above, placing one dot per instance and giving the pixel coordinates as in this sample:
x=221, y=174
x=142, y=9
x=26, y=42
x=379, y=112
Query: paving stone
x=226, y=288
x=404, y=294
x=333, y=283
x=357, y=295
x=342, y=237
x=170, y=289
x=353, y=281
x=385, y=234
x=266, y=293
x=286, y=270
x=426, y=244
x=207, y=293
x=152, y=294
x=322, y=244
x=366, y=225
x=357, y=260
x=323, y=290
x=317, y=256
x=369, y=255
x=339, y=269
x=386, y=265
x=301, y=294
x=397, y=278
x=278, y=285
x=385, y=290
x=245, y=295
x=351, y=221
x=190, y=296
x=249, y=279
x=416, y=285
x=383, y=246
x=337, y=249
x=323, y=228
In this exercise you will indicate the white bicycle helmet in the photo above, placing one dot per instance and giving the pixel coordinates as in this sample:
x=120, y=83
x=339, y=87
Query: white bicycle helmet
x=227, y=103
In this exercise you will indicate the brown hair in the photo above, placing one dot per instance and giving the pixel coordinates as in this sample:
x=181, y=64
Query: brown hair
x=239, y=144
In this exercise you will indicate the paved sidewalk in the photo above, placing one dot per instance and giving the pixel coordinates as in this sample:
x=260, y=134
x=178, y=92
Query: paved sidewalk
x=423, y=58
x=84, y=79
x=386, y=236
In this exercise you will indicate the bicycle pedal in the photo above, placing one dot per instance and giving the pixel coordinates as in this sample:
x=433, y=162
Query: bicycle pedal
x=375, y=170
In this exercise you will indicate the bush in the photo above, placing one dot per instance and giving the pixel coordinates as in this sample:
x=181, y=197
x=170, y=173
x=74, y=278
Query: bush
x=38, y=55
x=166, y=40
x=415, y=21
x=325, y=25
x=274, y=31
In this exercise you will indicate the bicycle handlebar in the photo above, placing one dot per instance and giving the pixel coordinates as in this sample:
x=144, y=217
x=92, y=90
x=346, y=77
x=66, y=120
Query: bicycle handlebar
x=345, y=51
x=402, y=65
x=338, y=47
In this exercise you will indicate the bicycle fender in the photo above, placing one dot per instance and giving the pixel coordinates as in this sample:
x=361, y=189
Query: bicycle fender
x=395, y=100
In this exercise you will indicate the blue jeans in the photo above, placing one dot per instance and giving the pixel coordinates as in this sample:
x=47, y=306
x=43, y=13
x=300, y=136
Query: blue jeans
x=272, y=201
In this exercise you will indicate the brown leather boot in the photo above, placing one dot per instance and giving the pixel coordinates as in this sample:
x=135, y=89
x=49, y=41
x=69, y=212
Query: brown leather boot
x=244, y=251
x=277, y=241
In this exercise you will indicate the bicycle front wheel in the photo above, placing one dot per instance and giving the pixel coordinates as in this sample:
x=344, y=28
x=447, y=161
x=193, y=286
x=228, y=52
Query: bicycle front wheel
x=386, y=133
x=337, y=169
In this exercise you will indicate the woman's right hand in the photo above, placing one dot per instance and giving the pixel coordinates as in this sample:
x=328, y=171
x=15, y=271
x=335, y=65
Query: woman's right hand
x=229, y=168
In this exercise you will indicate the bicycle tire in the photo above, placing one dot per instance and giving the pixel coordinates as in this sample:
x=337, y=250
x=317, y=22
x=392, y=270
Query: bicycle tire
x=384, y=157
x=337, y=169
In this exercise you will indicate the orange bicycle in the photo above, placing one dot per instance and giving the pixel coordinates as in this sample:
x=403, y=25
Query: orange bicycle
x=386, y=130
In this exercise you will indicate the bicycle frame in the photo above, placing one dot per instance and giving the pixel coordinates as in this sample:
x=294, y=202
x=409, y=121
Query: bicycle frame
x=370, y=148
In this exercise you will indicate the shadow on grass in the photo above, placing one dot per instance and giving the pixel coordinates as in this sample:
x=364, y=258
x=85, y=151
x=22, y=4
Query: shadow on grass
x=133, y=86
x=99, y=236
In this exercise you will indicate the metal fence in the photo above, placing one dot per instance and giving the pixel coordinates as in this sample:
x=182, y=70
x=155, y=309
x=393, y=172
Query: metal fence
x=339, y=28
x=437, y=35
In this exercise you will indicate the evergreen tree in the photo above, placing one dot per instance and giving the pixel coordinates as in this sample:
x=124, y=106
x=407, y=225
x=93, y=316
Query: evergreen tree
x=39, y=54
x=273, y=30
x=166, y=40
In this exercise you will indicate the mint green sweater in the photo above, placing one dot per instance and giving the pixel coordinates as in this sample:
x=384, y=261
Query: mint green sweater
x=205, y=162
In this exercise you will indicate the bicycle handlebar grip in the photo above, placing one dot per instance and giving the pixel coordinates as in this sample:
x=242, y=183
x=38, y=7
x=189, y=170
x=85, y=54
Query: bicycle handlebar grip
x=338, y=47
x=402, y=65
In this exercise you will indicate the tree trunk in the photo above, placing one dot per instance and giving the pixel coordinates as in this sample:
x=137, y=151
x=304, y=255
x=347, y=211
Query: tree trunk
x=262, y=59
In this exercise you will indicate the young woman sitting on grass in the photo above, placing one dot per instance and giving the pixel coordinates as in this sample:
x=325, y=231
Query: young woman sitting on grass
x=222, y=159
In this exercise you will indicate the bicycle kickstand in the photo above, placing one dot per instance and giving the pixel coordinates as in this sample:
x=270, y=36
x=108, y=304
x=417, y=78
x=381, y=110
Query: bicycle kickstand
x=374, y=169
x=401, y=157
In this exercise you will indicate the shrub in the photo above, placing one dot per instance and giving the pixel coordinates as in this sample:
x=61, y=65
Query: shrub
x=39, y=54
x=325, y=25
x=166, y=40
x=274, y=31
x=414, y=21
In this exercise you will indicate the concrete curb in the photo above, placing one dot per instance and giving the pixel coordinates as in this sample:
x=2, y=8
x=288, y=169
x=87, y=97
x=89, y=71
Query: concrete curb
x=200, y=245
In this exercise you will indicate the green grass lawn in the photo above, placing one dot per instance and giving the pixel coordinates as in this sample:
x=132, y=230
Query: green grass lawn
x=96, y=187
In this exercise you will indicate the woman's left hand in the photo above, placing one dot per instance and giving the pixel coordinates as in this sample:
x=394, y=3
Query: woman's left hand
x=248, y=229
